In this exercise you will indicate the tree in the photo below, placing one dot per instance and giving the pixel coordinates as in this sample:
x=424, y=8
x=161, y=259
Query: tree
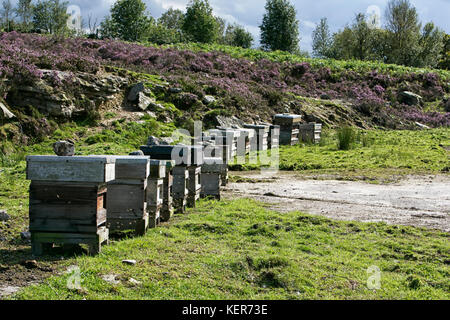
x=6, y=13
x=24, y=12
x=444, y=63
x=280, y=28
x=108, y=29
x=199, y=23
x=237, y=36
x=403, y=24
x=51, y=16
x=362, y=36
x=431, y=45
x=129, y=20
x=322, y=39
x=172, y=19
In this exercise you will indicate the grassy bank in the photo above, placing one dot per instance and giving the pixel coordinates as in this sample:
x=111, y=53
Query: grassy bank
x=240, y=250
x=375, y=150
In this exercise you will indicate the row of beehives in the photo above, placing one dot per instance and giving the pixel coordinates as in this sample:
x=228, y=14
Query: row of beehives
x=81, y=199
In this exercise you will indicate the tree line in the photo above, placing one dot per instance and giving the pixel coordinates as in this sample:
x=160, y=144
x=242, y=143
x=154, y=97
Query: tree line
x=403, y=40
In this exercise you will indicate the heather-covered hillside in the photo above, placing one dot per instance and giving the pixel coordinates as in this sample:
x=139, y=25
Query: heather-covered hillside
x=250, y=86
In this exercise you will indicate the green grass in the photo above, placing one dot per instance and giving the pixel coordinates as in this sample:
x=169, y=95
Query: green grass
x=377, y=150
x=240, y=250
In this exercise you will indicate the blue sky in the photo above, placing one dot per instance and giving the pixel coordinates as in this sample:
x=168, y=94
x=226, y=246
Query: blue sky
x=250, y=12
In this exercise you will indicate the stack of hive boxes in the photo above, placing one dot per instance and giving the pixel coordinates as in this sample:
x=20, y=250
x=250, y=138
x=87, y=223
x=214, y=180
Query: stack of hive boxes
x=68, y=200
x=167, y=210
x=211, y=178
x=310, y=132
x=127, y=202
x=262, y=135
x=227, y=137
x=273, y=140
x=155, y=195
x=194, y=163
x=288, y=128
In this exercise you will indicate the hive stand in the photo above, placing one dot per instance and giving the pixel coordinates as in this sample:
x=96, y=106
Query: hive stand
x=68, y=200
x=155, y=191
x=126, y=205
x=288, y=128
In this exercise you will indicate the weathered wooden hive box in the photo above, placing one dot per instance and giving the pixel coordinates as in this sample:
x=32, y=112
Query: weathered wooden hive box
x=273, y=140
x=194, y=185
x=184, y=157
x=310, y=132
x=223, y=152
x=180, y=188
x=246, y=142
x=288, y=128
x=262, y=134
x=227, y=137
x=155, y=195
x=167, y=209
x=126, y=205
x=68, y=200
x=211, y=177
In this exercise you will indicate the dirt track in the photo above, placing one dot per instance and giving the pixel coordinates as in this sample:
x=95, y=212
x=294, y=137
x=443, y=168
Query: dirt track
x=422, y=201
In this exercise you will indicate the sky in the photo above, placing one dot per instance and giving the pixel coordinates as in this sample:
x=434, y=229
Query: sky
x=249, y=13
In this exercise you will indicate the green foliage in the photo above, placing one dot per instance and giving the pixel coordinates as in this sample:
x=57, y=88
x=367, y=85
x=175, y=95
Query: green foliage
x=280, y=27
x=322, y=39
x=24, y=11
x=199, y=23
x=51, y=16
x=128, y=21
x=238, y=250
x=237, y=36
x=346, y=137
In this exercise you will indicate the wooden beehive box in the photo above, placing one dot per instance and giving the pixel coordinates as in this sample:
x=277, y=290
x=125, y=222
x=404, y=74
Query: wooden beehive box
x=126, y=205
x=95, y=169
x=286, y=120
x=194, y=185
x=68, y=200
x=167, y=209
x=310, y=132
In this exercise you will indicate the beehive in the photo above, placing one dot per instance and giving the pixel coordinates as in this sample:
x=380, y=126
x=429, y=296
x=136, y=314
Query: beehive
x=288, y=128
x=127, y=203
x=68, y=200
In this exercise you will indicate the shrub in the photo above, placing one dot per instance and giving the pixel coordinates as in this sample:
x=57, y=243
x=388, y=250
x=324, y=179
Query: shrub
x=346, y=137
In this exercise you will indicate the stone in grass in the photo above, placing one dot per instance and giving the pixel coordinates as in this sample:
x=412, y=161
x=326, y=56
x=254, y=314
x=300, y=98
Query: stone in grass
x=4, y=215
x=129, y=262
x=134, y=92
x=207, y=100
x=64, y=148
x=111, y=278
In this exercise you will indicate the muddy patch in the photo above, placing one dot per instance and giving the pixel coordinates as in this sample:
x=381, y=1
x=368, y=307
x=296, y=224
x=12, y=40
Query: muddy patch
x=421, y=201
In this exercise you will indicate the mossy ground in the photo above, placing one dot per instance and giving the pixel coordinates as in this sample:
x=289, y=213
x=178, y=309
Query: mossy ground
x=240, y=250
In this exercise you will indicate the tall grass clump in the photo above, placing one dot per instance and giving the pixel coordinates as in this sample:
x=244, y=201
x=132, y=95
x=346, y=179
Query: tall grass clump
x=346, y=137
